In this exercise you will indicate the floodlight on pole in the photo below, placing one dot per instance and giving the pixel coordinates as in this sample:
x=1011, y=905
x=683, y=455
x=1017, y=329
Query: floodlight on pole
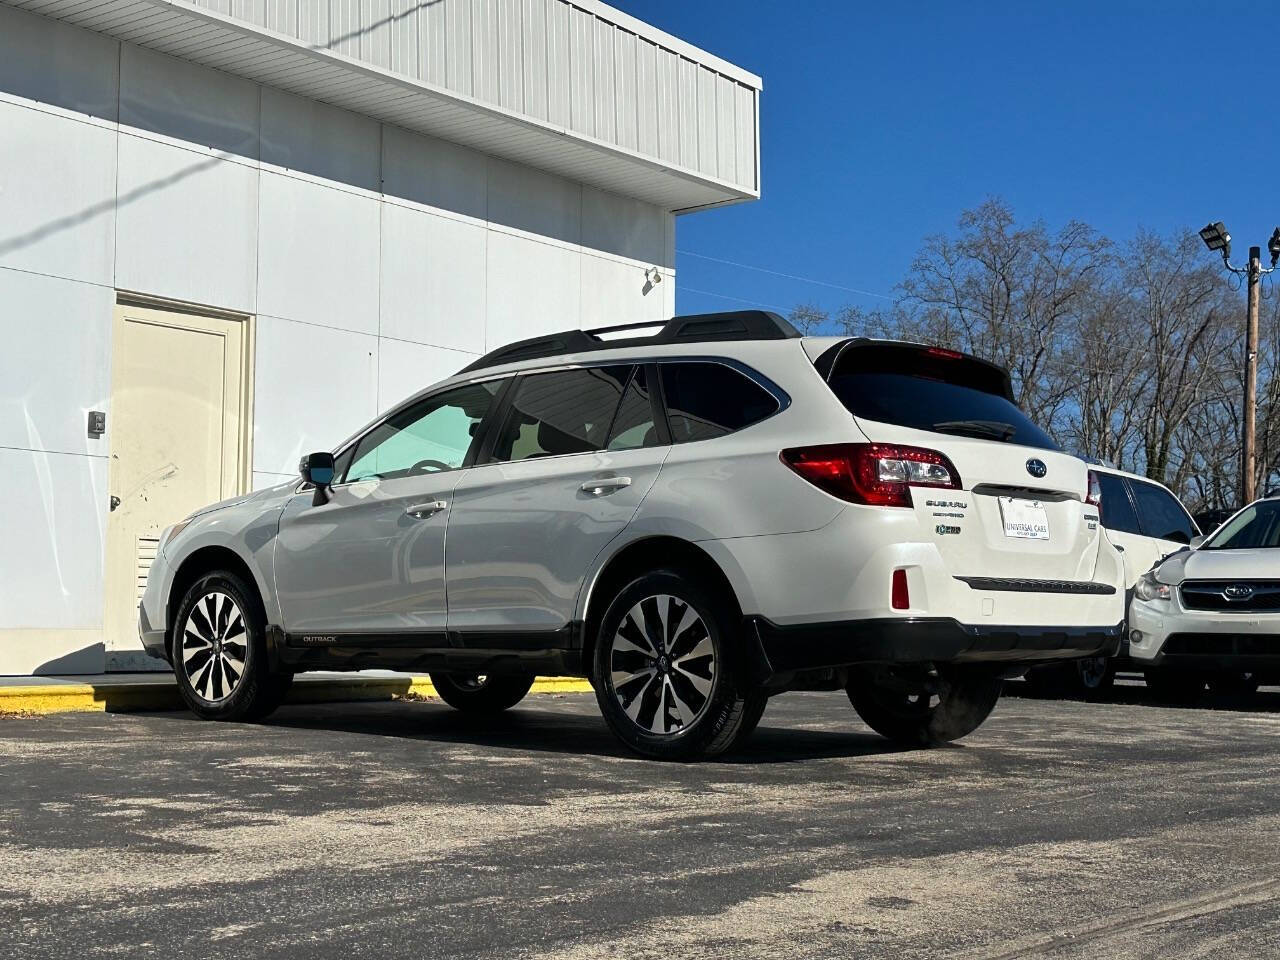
x=1215, y=237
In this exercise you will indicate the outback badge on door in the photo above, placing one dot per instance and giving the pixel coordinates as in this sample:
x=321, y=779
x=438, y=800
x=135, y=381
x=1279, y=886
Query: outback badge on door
x=1036, y=467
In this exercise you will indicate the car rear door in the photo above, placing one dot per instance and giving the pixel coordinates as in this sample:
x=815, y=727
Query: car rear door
x=1120, y=519
x=369, y=563
x=575, y=453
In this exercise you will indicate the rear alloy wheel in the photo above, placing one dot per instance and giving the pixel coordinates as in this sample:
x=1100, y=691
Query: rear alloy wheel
x=219, y=652
x=482, y=693
x=1169, y=685
x=666, y=678
x=924, y=708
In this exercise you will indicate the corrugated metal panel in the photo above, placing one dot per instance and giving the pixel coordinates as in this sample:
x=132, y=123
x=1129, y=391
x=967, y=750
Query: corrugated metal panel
x=558, y=63
x=282, y=17
x=745, y=125
x=626, y=111
x=375, y=32
x=404, y=37
x=688, y=93
x=485, y=56
x=433, y=44
x=668, y=106
x=582, y=107
x=533, y=41
x=647, y=98
x=682, y=123
x=707, y=135
x=510, y=65
x=726, y=132
x=344, y=27
x=458, y=47
x=603, y=95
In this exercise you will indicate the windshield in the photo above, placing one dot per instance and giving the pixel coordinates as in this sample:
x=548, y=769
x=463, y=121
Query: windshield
x=1253, y=527
x=939, y=391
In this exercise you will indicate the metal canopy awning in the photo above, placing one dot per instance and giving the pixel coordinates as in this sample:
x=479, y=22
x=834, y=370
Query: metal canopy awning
x=181, y=29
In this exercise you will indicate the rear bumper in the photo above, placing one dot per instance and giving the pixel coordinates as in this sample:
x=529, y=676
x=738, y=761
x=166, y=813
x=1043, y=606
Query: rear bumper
x=785, y=649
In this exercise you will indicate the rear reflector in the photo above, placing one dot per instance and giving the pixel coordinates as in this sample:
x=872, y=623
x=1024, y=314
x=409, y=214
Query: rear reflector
x=879, y=474
x=901, y=599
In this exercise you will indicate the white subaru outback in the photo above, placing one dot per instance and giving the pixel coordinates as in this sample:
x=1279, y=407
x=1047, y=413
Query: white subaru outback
x=696, y=520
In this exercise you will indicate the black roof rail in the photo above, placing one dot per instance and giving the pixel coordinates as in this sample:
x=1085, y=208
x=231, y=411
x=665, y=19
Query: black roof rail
x=693, y=328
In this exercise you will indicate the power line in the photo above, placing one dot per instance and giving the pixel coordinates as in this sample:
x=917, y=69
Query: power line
x=788, y=276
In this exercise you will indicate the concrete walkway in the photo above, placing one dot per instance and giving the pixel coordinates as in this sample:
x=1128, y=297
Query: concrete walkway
x=127, y=692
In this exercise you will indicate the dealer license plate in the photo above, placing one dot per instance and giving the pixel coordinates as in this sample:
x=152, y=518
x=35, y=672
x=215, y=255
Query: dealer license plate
x=1024, y=519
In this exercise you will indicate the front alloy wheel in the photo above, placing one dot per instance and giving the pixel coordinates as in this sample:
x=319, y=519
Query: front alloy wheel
x=213, y=646
x=219, y=651
x=666, y=673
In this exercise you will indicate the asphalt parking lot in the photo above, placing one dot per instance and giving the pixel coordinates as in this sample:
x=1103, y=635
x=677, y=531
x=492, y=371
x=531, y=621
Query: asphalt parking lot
x=1060, y=829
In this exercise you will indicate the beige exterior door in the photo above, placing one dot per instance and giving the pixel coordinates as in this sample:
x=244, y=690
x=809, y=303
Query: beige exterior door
x=178, y=426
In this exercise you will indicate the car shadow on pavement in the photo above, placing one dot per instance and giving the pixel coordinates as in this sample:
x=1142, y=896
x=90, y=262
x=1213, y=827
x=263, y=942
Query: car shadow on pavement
x=1136, y=693
x=548, y=730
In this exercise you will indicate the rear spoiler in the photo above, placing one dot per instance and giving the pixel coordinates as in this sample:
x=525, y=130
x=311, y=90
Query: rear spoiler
x=917, y=358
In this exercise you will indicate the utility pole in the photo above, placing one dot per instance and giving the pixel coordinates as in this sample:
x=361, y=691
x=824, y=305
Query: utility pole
x=1249, y=455
x=1215, y=237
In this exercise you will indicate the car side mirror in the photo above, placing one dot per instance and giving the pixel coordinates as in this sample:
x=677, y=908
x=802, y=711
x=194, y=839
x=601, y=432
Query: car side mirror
x=1196, y=541
x=317, y=470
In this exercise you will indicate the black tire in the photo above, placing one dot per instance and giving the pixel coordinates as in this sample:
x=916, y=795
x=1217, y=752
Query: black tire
x=1180, y=687
x=1095, y=676
x=220, y=651
x=1234, y=684
x=699, y=705
x=924, y=710
x=481, y=693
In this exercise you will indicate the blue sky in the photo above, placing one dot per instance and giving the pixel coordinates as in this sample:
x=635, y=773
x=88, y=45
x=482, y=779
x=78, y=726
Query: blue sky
x=880, y=123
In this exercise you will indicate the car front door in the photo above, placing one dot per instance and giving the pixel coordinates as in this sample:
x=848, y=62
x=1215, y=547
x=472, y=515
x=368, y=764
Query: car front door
x=369, y=563
x=1163, y=518
x=576, y=453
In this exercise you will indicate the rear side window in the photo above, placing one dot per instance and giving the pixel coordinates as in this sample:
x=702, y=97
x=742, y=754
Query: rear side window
x=707, y=400
x=633, y=427
x=562, y=412
x=935, y=390
x=1161, y=514
x=1117, y=510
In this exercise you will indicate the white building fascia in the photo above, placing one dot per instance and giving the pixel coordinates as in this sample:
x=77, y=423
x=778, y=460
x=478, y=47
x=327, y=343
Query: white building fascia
x=572, y=87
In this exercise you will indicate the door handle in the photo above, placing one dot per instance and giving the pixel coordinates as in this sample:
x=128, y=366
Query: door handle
x=424, y=511
x=603, y=485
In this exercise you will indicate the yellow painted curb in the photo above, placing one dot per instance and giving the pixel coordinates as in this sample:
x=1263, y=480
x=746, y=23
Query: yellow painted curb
x=130, y=697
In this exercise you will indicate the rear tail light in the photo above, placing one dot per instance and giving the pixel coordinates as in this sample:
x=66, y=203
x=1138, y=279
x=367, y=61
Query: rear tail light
x=879, y=474
x=1095, y=490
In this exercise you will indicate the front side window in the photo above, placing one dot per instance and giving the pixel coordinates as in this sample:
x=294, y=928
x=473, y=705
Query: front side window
x=428, y=437
x=1161, y=514
x=1117, y=510
x=561, y=412
x=1253, y=527
x=707, y=400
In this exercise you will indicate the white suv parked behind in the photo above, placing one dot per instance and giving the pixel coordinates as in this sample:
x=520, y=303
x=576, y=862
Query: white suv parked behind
x=1211, y=615
x=695, y=520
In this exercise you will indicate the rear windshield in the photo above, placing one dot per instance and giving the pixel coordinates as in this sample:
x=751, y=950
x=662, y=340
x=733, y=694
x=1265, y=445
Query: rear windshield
x=932, y=390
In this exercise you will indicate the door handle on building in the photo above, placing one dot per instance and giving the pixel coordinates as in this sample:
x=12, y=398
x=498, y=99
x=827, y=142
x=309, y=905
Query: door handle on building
x=423, y=511
x=602, y=485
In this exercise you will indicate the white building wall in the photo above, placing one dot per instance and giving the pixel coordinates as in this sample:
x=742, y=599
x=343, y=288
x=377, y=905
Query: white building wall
x=374, y=261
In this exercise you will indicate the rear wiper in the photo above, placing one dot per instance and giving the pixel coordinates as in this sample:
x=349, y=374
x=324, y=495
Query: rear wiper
x=996, y=429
